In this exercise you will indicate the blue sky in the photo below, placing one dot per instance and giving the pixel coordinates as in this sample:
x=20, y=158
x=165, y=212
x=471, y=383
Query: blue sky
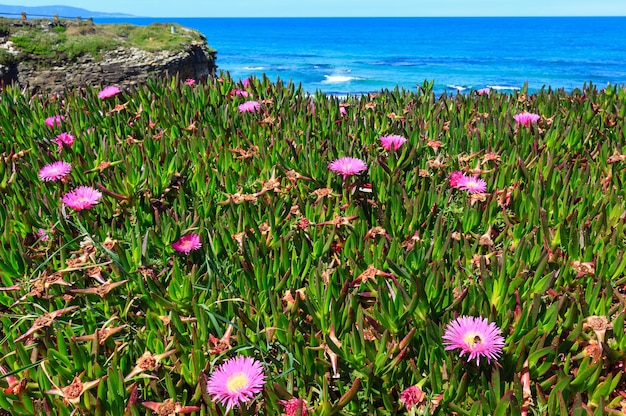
x=290, y=8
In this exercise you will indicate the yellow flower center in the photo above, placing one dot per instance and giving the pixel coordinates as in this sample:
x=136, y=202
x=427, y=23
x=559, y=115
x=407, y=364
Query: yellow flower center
x=237, y=382
x=473, y=339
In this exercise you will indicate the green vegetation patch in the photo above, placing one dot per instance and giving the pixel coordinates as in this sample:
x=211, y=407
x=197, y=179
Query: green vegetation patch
x=7, y=58
x=159, y=36
x=46, y=41
x=184, y=246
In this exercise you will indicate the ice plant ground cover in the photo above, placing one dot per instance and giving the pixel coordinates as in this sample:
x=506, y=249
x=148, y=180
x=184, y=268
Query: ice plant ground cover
x=341, y=289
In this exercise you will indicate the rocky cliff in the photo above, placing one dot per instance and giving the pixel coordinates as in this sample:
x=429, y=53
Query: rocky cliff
x=118, y=63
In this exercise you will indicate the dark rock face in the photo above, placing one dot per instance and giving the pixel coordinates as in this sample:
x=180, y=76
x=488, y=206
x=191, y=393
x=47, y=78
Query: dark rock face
x=123, y=66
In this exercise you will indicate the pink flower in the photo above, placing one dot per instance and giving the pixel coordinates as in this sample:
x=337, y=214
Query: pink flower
x=526, y=118
x=474, y=336
x=187, y=243
x=412, y=396
x=54, y=171
x=190, y=81
x=81, y=198
x=483, y=91
x=64, y=138
x=54, y=121
x=472, y=184
x=347, y=166
x=108, y=92
x=292, y=406
x=239, y=93
x=394, y=141
x=249, y=106
x=236, y=381
x=342, y=111
x=43, y=235
x=455, y=177
x=246, y=83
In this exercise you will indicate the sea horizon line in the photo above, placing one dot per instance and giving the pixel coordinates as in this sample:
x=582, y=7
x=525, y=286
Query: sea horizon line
x=368, y=17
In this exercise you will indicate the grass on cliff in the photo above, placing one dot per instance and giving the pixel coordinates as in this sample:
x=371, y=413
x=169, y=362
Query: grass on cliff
x=46, y=41
x=340, y=287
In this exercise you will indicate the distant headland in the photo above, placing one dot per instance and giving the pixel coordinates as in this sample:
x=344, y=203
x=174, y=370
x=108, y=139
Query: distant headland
x=50, y=11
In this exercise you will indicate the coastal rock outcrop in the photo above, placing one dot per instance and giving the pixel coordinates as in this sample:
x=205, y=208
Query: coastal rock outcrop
x=122, y=65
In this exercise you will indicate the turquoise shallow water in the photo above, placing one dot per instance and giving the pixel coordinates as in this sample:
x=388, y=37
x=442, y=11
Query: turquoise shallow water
x=357, y=55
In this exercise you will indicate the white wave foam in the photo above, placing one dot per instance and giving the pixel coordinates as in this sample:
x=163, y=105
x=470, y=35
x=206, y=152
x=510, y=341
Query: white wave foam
x=338, y=79
x=458, y=87
x=503, y=87
x=253, y=68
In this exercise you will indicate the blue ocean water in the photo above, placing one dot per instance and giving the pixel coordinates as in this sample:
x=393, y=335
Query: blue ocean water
x=358, y=55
